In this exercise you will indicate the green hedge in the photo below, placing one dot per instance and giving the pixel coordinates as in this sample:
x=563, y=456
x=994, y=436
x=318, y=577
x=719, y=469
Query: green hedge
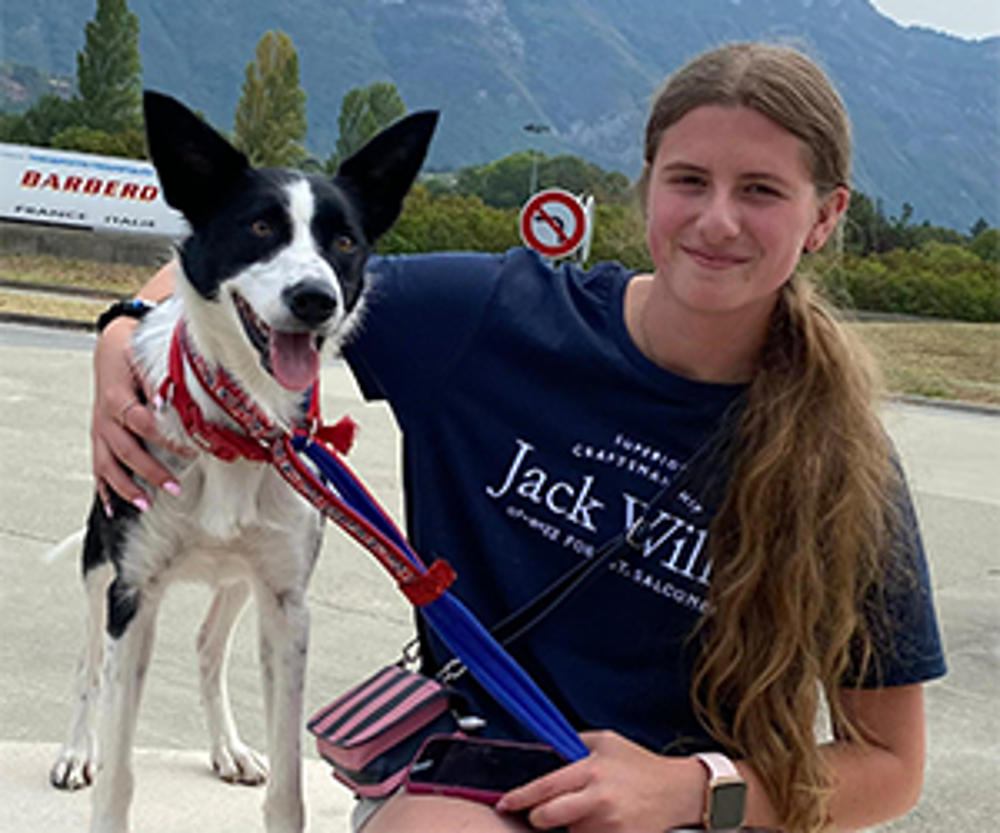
x=450, y=222
x=938, y=280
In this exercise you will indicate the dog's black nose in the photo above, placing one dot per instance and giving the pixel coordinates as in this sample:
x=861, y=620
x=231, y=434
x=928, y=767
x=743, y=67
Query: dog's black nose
x=311, y=301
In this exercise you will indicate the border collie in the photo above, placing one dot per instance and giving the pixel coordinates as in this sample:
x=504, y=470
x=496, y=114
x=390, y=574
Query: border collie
x=273, y=272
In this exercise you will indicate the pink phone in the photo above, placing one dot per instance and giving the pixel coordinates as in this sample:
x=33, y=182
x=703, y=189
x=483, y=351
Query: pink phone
x=478, y=769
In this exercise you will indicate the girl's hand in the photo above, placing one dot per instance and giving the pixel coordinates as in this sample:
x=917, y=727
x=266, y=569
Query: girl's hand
x=120, y=422
x=620, y=786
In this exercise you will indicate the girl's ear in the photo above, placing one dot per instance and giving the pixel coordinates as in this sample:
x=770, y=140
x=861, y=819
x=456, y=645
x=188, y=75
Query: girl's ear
x=831, y=209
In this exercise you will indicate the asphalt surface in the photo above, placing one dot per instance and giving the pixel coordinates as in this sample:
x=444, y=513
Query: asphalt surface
x=359, y=621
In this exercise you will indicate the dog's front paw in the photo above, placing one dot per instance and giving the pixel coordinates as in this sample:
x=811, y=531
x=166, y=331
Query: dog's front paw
x=237, y=763
x=74, y=768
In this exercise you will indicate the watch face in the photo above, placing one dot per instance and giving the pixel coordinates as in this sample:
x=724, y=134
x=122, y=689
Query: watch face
x=728, y=806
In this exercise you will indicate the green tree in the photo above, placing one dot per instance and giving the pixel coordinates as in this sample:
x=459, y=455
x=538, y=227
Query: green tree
x=978, y=227
x=46, y=118
x=270, y=119
x=363, y=113
x=448, y=223
x=620, y=234
x=501, y=184
x=940, y=280
x=986, y=244
x=866, y=229
x=109, y=70
x=581, y=177
x=505, y=183
x=130, y=144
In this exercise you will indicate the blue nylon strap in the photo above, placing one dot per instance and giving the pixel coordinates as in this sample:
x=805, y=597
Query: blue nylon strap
x=499, y=673
x=351, y=492
x=484, y=657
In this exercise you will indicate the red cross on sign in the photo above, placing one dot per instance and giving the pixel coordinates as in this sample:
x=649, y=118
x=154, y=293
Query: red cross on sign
x=553, y=223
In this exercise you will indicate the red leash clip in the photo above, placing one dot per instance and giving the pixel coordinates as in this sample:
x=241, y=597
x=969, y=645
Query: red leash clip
x=430, y=586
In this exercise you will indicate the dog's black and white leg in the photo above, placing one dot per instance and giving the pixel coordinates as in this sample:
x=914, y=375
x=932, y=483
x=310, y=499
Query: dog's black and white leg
x=232, y=759
x=127, y=652
x=284, y=638
x=76, y=764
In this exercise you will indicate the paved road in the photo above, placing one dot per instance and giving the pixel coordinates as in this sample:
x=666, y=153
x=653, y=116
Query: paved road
x=359, y=621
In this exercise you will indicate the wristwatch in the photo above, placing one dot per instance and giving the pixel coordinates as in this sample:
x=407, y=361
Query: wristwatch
x=726, y=796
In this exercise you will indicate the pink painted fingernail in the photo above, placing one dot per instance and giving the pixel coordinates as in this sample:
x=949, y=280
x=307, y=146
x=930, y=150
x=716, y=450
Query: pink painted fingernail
x=141, y=504
x=107, y=509
x=172, y=488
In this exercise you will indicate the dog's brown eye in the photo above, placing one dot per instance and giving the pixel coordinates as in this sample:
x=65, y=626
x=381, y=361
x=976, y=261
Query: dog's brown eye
x=343, y=243
x=261, y=228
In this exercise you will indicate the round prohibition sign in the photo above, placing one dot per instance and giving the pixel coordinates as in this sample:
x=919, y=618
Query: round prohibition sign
x=553, y=223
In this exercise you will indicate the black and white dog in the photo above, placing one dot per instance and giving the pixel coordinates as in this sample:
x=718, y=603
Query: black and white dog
x=273, y=271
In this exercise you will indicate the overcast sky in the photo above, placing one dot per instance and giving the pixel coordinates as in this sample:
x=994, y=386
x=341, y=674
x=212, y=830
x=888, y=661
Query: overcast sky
x=965, y=18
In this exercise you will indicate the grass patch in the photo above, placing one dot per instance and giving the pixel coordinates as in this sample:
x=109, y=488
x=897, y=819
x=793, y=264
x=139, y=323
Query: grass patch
x=939, y=359
x=66, y=308
x=117, y=278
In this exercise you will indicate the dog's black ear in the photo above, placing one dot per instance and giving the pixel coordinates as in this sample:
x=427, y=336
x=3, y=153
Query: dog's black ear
x=196, y=166
x=381, y=173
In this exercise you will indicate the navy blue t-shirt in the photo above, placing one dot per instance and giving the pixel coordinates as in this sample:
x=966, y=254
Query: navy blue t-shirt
x=533, y=431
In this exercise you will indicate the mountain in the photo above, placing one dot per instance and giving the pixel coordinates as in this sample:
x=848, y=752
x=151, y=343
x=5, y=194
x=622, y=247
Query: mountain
x=925, y=105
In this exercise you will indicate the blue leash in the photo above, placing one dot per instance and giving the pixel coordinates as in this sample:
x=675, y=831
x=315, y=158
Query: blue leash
x=484, y=657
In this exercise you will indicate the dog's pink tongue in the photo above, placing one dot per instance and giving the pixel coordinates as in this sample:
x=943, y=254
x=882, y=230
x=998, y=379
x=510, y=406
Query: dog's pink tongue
x=294, y=359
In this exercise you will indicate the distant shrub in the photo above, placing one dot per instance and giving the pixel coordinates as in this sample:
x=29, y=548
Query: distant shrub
x=620, y=235
x=986, y=245
x=938, y=280
x=449, y=223
x=128, y=144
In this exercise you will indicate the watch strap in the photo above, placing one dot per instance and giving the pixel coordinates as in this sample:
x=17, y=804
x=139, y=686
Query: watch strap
x=718, y=765
x=722, y=776
x=136, y=308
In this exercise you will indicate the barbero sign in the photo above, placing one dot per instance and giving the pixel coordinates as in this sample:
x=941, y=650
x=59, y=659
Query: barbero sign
x=78, y=189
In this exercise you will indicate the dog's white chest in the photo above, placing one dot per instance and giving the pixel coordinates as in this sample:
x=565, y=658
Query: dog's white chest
x=231, y=520
x=226, y=501
x=235, y=497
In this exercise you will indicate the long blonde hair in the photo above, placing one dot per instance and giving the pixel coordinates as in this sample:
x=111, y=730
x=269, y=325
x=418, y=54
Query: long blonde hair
x=799, y=542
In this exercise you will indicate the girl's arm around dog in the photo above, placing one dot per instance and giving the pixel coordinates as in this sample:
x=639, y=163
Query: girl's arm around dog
x=122, y=419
